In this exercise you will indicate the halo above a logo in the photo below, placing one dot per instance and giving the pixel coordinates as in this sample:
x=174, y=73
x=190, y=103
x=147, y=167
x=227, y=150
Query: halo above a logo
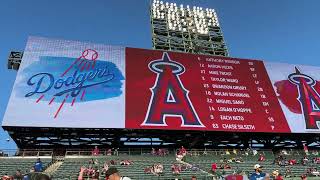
x=295, y=78
x=158, y=65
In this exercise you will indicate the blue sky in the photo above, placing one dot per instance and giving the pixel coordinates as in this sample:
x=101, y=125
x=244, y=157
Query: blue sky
x=273, y=30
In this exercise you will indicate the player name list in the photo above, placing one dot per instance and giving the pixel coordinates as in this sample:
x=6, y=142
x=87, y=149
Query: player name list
x=237, y=94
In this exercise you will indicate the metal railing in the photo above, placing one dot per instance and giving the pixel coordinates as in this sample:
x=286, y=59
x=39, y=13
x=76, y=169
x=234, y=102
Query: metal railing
x=139, y=151
x=26, y=152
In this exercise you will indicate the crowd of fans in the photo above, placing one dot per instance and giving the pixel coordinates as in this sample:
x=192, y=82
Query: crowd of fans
x=95, y=169
x=92, y=169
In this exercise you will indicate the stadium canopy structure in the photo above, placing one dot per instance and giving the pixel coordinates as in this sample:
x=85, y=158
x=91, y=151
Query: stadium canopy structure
x=74, y=138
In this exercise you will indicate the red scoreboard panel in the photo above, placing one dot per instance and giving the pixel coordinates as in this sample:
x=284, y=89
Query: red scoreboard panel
x=197, y=92
x=179, y=91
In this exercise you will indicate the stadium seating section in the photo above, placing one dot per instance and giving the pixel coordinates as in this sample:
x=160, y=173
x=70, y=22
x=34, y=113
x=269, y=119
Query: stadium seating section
x=9, y=165
x=69, y=169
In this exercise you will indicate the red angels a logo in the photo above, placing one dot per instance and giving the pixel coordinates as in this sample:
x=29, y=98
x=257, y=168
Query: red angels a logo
x=300, y=93
x=169, y=96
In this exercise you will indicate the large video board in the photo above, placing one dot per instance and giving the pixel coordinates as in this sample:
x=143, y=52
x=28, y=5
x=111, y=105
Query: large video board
x=82, y=85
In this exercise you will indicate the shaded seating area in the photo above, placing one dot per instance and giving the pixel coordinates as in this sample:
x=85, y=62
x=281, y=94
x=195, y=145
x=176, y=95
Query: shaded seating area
x=9, y=165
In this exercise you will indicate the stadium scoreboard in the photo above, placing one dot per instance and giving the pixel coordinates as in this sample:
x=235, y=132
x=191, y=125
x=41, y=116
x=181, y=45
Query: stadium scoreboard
x=70, y=84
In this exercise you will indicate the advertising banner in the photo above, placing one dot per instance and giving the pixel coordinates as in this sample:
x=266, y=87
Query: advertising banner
x=68, y=84
x=82, y=85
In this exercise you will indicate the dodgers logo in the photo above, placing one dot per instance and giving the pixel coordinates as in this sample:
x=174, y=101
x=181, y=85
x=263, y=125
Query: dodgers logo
x=169, y=96
x=66, y=80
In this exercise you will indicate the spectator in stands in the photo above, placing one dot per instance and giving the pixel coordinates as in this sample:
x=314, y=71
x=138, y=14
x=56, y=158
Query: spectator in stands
x=247, y=151
x=214, y=167
x=235, y=151
x=96, y=162
x=284, y=152
x=158, y=169
x=303, y=177
x=113, y=162
x=315, y=153
x=179, y=156
x=38, y=176
x=239, y=160
x=125, y=162
x=95, y=151
x=95, y=173
x=261, y=157
x=113, y=174
x=194, y=167
x=316, y=160
x=276, y=175
x=32, y=170
x=83, y=172
x=109, y=152
x=18, y=175
x=153, y=152
x=25, y=176
x=254, y=152
x=89, y=171
x=292, y=162
x=221, y=166
x=193, y=178
x=224, y=160
x=258, y=174
x=7, y=177
x=115, y=152
x=176, y=169
x=105, y=167
x=279, y=177
x=305, y=160
x=160, y=152
x=283, y=162
x=288, y=172
x=183, y=151
x=227, y=166
x=315, y=172
x=91, y=161
x=38, y=166
x=305, y=148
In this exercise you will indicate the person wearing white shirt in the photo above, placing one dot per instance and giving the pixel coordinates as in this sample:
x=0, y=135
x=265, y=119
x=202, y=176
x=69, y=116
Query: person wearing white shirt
x=113, y=174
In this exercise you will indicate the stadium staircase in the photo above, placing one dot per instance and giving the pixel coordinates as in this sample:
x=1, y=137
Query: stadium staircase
x=52, y=167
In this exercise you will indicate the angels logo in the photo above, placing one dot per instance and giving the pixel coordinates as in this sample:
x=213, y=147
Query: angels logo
x=169, y=97
x=308, y=97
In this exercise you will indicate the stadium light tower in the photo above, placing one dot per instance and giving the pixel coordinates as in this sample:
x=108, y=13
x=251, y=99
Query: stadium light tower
x=14, y=60
x=186, y=29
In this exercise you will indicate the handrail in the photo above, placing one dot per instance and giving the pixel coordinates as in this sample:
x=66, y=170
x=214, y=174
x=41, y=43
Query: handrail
x=131, y=151
x=25, y=152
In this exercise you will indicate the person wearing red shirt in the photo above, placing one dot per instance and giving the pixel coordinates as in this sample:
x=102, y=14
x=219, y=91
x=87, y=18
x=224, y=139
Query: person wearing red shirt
x=213, y=167
x=261, y=157
x=183, y=151
x=95, y=151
